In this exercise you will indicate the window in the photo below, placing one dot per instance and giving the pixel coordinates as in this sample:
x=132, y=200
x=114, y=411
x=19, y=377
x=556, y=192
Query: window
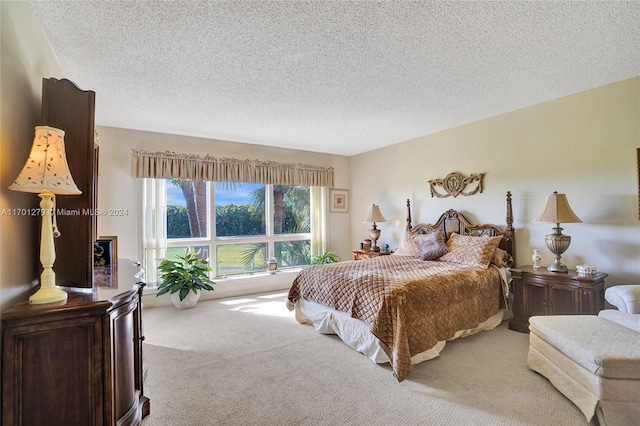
x=238, y=226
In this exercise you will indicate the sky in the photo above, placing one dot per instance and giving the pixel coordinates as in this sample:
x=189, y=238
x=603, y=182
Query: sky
x=240, y=195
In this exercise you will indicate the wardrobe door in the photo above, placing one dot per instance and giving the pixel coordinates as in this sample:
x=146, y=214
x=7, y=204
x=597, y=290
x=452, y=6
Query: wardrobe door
x=71, y=109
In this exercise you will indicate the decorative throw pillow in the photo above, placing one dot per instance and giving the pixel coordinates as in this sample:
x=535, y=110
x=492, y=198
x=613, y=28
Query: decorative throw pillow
x=431, y=246
x=422, y=246
x=471, y=250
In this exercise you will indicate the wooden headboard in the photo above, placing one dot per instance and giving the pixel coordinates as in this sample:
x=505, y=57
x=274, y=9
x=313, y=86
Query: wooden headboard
x=454, y=221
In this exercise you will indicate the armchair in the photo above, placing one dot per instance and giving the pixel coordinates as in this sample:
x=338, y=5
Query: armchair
x=624, y=297
x=627, y=299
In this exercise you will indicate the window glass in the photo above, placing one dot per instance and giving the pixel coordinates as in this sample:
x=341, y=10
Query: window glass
x=186, y=209
x=252, y=223
x=172, y=252
x=291, y=209
x=240, y=209
x=240, y=258
x=293, y=253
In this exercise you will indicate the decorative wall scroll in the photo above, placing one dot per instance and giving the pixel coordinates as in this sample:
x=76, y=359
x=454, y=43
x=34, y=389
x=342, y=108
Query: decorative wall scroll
x=454, y=184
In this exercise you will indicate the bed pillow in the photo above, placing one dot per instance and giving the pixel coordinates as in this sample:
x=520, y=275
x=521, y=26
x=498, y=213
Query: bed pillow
x=471, y=250
x=431, y=246
x=408, y=246
x=422, y=246
x=501, y=258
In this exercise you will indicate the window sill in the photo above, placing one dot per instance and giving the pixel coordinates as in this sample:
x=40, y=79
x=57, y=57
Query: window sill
x=257, y=275
x=233, y=286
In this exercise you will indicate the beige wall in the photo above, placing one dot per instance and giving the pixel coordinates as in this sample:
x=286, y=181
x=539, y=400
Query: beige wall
x=118, y=190
x=582, y=145
x=26, y=60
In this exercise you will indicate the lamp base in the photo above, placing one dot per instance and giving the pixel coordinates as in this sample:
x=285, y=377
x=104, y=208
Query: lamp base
x=558, y=267
x=48, y=295
x=48, y=292
x=374, y=234
x=557, y=243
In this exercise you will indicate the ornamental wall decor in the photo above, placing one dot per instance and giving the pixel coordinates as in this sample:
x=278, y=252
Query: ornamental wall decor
x=454, y=184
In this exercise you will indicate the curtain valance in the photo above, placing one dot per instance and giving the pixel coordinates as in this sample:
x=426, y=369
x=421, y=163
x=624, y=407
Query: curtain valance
x=171, y=165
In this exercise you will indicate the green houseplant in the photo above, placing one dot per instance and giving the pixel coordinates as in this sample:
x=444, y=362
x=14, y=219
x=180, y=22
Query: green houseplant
x=326, y=257
x=184, y=279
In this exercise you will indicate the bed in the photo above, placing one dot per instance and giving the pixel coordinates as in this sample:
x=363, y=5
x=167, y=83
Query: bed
x=446, y=280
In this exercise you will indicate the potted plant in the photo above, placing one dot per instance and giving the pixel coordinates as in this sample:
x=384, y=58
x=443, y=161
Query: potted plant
x=326, y=257
x=184, y=279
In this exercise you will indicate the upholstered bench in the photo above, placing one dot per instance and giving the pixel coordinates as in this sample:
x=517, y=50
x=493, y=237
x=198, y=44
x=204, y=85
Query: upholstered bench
x=593, y=361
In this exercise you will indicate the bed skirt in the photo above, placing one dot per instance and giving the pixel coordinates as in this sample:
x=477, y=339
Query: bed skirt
x=355, y=332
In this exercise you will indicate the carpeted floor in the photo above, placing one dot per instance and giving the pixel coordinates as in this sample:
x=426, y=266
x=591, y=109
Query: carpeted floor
x=246, y=361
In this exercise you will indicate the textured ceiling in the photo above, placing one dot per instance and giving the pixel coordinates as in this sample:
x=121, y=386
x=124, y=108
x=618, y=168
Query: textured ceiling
x=333, y=76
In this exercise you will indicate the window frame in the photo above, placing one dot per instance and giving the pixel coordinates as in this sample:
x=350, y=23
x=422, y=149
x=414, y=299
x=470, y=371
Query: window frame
x=270, y=237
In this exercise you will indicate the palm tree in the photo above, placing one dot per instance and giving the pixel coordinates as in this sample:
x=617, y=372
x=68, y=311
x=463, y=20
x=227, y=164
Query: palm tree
x=186, y=186
x=252, y=252
x=288, y=202
x=279, y=191
x=195, y=197
x=200, y=197
x=287, y=199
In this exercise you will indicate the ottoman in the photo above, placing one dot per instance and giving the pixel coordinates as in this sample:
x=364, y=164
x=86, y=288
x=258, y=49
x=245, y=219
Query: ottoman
x=593, y=361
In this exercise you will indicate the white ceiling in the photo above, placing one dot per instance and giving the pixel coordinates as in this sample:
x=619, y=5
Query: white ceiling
x=341, y=77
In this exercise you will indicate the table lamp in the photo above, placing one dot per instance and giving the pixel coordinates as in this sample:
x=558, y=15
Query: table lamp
x=373, y=216
x=46, y=173
x=557, y=210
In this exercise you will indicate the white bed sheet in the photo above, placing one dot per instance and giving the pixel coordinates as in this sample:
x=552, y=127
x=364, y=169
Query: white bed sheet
x=355, y=332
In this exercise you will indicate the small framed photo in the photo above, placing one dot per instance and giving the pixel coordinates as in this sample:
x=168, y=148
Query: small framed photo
x=105, y=251
x=339, y=201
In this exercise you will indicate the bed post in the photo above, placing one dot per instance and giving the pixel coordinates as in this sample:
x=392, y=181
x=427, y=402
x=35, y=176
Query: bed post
x=408, y=228
x=509, y=231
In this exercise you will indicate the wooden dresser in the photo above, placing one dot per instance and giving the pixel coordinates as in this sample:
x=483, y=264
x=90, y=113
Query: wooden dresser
x=540, y=292
x=77, y=362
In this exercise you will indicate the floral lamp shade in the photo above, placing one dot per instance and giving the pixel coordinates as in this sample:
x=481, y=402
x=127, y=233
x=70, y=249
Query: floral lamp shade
x=46, y=168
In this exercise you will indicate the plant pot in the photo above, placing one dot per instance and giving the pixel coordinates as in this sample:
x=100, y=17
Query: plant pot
x=188, y=302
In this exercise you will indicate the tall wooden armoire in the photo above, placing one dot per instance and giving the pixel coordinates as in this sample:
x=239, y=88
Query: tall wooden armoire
x=71, y=109
x=77, y=362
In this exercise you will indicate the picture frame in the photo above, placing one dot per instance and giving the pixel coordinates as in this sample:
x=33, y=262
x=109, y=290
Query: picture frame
x=638, y=167
x=105, y=251
x=339, y=201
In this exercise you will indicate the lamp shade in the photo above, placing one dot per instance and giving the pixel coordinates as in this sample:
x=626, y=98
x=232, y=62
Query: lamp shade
x=374, y=215
x=557, y=210
x=46, y=168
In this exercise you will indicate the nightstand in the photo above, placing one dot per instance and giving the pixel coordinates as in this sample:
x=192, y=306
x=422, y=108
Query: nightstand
x=366, y=254
x=540, y=292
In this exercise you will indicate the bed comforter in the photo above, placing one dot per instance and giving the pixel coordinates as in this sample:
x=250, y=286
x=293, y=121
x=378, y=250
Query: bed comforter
x=410, y=304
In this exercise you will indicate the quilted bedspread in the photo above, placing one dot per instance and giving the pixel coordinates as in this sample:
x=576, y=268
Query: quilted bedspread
x=410, y=304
